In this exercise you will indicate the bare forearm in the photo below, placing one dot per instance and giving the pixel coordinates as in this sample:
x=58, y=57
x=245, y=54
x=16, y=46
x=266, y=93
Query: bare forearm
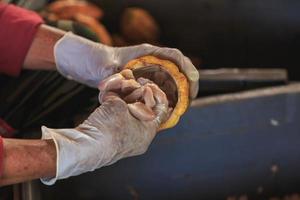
x=27, y=159
x=40, y=55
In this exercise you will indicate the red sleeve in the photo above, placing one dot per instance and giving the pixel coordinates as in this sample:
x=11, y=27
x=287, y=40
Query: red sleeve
x=18, y=28
x=1, y=156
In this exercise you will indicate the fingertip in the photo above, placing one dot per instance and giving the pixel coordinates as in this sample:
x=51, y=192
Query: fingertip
x=129, y=85
x=143, y=81
x=127, y=74
x=112, y=82
x=159, y=95
x=135, y=95
x=110, y=95
x=194, y=89
x=141, y=111
x=148, y=97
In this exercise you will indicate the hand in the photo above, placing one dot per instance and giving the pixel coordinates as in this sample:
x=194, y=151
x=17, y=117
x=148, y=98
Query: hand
x=89, y=63
x=110, y=133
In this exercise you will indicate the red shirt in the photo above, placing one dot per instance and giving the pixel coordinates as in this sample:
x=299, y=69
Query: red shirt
x=17, y=30
x=1, y=156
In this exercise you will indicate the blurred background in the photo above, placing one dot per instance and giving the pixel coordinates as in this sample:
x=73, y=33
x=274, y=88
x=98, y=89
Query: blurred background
x=237, y=146
x=214, y=33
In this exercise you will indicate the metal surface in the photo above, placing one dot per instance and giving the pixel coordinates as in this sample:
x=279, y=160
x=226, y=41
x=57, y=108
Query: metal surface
x=244, y=143
x=27, y=191
x=249, y=74
x=31, y=190
x=220, y=81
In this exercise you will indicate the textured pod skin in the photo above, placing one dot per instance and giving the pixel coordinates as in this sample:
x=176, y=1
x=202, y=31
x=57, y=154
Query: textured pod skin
x=179, y=79
x=83, y=12
x=98, y=28
x=67, y=9
x=138, y=26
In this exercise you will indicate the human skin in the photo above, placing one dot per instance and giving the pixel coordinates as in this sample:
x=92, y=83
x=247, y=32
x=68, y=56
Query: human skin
x=41, y=53
x=25, y=160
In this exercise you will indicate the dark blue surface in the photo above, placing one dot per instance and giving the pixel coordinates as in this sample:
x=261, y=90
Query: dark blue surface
x=215, y=151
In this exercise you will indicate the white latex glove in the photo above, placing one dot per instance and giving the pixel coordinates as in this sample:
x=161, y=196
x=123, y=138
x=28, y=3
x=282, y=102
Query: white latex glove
x=110, y=133
x=88, y=62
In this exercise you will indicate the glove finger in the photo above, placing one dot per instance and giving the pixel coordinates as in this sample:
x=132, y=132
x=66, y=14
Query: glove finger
x=128, y=86
x=132, y=52
x=193, y=76
x=194, y=88
x=148, y=97
x=141, y=111
x=127, y=73
x=111, y=83
x=159, y=95
x=161, y=107
x=143, y=81
x=135, y=95
x=107, y=95
x=184, y=64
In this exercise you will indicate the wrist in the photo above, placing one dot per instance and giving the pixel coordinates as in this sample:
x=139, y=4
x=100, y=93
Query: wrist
x=84, y=61
x=41, y=52
x=25, y=160
x=79, y=150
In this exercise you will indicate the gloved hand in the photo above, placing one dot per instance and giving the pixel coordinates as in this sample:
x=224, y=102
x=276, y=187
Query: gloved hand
x=89, y=63
x=110, y=133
